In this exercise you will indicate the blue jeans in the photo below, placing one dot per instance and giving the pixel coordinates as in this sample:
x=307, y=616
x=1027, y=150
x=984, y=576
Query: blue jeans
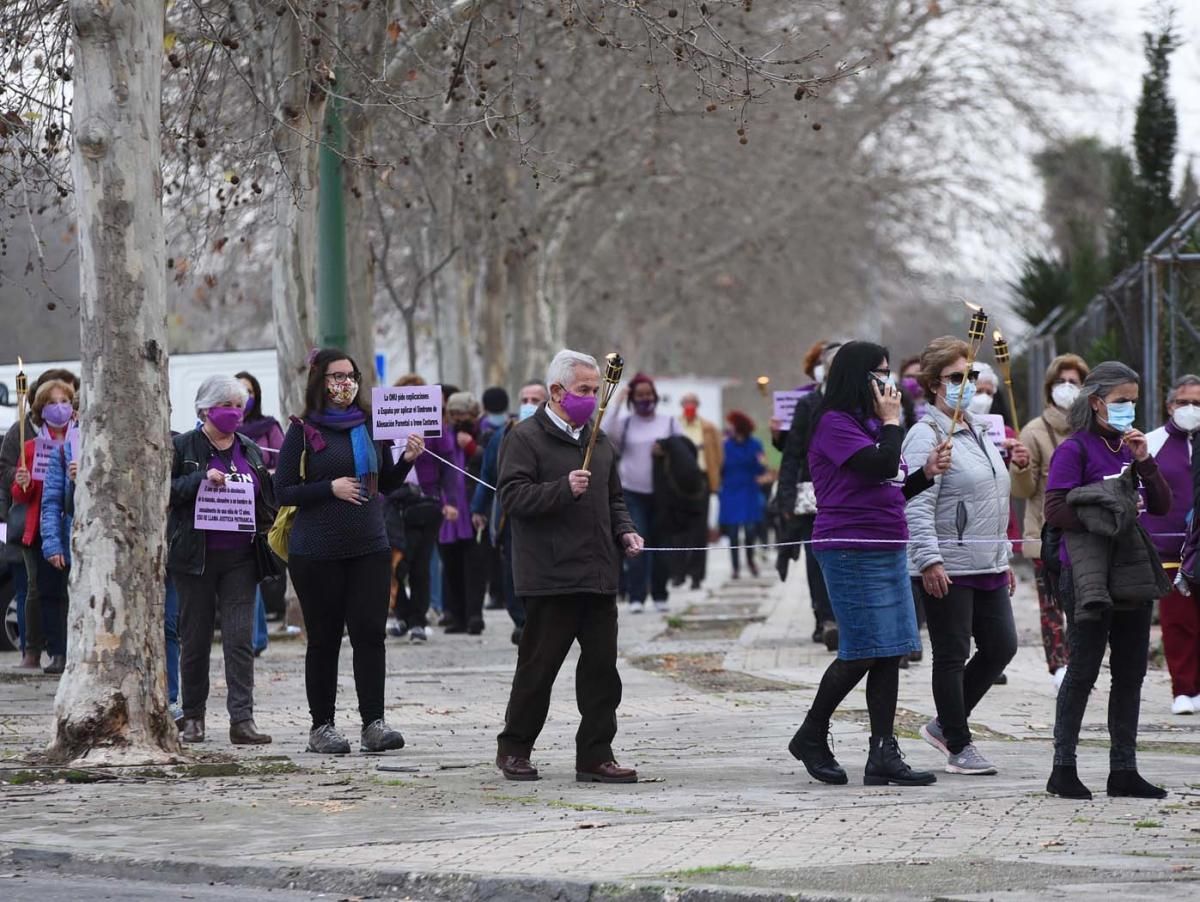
x=260, y=622
x=435, y=581
x=20, y=581
x=171, y=623
x=647, y=571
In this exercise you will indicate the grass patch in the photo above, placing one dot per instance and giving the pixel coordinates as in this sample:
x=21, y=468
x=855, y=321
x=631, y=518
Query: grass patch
x=54, y=775
x=705, y=672
x=1147, y=825
x=711, y=869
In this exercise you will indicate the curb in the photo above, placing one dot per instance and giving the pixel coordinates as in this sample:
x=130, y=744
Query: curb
x=426, y=887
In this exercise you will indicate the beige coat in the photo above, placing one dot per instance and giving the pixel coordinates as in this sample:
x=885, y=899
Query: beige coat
x=707, y=439
x=1041, y=436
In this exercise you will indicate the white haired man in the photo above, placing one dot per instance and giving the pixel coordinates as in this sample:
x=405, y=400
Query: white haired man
x=569, y=528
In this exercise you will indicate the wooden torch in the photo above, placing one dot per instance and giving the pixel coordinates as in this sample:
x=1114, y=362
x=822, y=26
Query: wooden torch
x=614, y=366
x=1004, y=361
x=975, y=335
x=22, y=392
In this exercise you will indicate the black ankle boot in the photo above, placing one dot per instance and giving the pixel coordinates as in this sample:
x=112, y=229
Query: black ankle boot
x=1064, y=782
x=1129, y=784
x=885, y=765
x=810, y=745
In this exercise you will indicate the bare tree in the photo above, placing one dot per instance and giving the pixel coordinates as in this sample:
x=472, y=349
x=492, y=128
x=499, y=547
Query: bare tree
x=111, y=705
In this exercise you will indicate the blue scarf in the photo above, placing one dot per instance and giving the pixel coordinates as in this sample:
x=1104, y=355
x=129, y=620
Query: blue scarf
x=366, y=459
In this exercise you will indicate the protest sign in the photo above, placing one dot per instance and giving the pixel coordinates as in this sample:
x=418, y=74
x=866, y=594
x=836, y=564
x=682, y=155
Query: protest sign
x=44, y=449
x=73, y=440
x=400, y=411
x=785, y=406
x=995, y=427
x=225, y=508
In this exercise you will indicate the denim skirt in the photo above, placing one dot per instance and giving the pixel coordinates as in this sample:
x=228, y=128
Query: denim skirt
x=872, y=599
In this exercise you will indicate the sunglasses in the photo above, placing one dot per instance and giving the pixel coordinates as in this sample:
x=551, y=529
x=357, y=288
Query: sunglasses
x=957, y=378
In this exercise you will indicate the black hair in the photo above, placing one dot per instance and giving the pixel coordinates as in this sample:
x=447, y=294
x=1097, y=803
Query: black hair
x=315, y=399
x=256, y=413
x=848, y=385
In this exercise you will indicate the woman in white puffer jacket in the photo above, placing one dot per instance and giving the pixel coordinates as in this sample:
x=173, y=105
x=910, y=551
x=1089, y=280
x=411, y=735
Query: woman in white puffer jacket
x=959, y=555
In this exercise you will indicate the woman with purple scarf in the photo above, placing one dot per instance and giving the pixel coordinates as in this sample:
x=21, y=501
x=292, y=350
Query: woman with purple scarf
x=333, y=472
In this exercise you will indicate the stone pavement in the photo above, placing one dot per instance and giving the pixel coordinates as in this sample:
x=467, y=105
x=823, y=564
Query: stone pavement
x=713, y=692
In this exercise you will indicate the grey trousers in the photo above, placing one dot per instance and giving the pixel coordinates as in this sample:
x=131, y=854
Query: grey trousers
x=228, y=584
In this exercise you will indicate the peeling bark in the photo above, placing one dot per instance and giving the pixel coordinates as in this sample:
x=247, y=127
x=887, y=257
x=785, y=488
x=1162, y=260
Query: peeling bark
x=111, y=705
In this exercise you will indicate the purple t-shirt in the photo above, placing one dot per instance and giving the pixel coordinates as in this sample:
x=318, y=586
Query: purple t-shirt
x=850, y=505
x=1082, y=459
x=239, y=471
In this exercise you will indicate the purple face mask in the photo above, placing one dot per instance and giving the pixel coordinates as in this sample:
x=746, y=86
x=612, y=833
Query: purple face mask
x=249, y=403
x=646, y=407
x=226, y=419
x=913, y=387
x=58, y=414
x=578, y=408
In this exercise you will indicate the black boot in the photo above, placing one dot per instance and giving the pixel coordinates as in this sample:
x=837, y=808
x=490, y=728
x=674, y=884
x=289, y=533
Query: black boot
x=885, y=765
x=810, y=745
x=1129, y=784
x=1064, y=782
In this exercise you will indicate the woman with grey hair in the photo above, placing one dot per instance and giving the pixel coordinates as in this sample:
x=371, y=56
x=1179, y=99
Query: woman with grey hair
x=1104, y=444
x=216, y=566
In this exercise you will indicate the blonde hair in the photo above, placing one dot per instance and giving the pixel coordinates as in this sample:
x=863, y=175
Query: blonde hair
x=1060, y=365
x=939, y=354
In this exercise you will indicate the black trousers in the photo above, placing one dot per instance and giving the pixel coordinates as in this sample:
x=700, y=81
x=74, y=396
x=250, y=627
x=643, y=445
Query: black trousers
x=959, y=684
x=227, y=584
x=412, y=601
x=552, y=625
x=821, y=606
x=693, y=565
x=464, y=579
x=351, y=594
x=1127, y=634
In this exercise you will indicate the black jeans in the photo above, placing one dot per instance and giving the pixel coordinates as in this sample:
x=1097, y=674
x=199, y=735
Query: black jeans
x=351, y=594
x=883, y=687
x=228, y=583
x=552, y=625
x=959, y=684
x=750, y=534
x=464, y=579
x=412, y=603
x=1127, y=634
x=693, y=564
x=822, y=609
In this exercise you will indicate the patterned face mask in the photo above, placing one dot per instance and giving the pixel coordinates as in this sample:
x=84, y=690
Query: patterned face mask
x=341, y=393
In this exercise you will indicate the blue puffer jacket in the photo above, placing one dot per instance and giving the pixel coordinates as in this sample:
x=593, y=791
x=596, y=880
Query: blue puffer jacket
x=58, y=508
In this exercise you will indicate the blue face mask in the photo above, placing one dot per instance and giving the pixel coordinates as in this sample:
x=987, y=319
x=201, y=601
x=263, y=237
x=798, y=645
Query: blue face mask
x=966, y=389
x=1121, y=415
x=496, y=420
x=526, y=411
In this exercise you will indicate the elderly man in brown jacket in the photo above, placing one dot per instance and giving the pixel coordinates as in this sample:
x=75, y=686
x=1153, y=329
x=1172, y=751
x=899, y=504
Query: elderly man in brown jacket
x=569, y=529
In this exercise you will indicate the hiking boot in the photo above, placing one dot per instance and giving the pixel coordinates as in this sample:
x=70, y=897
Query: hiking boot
x=885, y=766
x=326, y=740
x=377, y=736
x=810, y=746
x=970, y=762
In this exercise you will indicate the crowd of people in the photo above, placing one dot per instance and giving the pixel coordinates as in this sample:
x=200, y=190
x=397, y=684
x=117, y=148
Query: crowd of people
x=897, y=486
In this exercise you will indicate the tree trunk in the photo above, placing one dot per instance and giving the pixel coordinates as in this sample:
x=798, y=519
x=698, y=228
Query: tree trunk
x=301, y=112
x=111, y=705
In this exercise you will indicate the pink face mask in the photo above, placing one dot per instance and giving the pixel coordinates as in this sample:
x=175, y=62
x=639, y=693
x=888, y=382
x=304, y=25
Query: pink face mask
x=578, y=408
x=226, y=419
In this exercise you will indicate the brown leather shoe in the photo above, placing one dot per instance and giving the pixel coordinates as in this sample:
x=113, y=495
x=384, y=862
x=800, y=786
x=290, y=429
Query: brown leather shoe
x=244, y=732
x=516, y=768
x=30, y=660
x=192, y=730
x=608, y=772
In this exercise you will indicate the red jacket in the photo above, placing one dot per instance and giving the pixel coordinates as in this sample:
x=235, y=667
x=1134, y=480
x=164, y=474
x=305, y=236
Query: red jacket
x=31, y=497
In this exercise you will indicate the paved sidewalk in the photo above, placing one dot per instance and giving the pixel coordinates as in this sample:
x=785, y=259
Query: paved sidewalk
x=713, y=692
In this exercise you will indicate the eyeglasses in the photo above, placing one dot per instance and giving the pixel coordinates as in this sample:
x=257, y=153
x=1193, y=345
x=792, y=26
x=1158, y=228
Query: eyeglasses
x=342, y=378
x=957, y=378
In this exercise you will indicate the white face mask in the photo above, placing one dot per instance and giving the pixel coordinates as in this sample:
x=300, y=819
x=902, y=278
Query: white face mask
x=1064, y=394
x=819, y=373
x=1187, y=417
x=981, y=403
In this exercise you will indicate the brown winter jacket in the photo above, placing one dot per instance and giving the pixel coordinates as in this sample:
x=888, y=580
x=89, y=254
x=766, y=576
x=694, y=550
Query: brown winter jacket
x=1041, y=436
x=562, y=545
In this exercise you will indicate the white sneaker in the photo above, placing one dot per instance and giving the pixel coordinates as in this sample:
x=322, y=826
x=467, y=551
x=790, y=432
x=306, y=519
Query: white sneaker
x=417, y=635
x=1058, y=677
x=661, y=606
x=1196, y=703
x=1184, y=704
x=637, y=607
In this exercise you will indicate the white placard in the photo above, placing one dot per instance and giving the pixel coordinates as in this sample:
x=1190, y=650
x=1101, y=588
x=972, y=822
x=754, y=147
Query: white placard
x=225, y=508
x=785, y=407
x=3, y=533
x=400, y=411
x=995, y=427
